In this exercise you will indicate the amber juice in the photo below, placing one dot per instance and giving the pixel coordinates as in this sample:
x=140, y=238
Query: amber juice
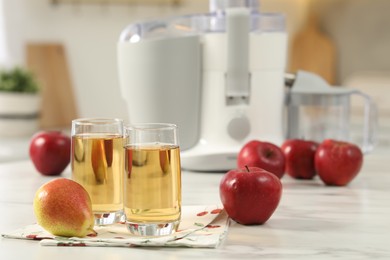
x=152, y=184
x=98, y=165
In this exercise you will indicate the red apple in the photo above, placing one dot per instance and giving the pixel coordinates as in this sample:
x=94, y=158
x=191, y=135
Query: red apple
x=263, y=155
x=299, y=156
x=250, y=195
x=50, y=152
x=337, y=163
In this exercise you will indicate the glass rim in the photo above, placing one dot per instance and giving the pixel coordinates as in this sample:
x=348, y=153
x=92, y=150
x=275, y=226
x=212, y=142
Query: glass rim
x=96, y=121
x=151, y=126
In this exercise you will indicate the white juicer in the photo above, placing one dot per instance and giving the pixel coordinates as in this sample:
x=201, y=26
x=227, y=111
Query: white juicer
x=219, y=76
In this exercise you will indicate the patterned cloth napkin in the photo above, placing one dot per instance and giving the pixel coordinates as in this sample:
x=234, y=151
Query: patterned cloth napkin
x=200, y=226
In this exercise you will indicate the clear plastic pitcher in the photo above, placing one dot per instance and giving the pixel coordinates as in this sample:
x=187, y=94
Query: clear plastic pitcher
x=316, y=111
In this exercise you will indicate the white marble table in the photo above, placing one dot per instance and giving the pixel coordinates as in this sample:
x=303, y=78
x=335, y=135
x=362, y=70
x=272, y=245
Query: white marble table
x=312, y=221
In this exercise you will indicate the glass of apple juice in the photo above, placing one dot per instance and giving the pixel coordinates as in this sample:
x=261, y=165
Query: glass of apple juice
x=97, y=162
x=152, y=195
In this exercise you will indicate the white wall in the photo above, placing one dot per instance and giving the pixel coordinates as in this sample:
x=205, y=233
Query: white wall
x=4, y=54
x=90, y=33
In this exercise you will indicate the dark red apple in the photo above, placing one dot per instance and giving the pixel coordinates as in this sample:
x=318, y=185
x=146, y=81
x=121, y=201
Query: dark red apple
x=299, y=156
x=250, y=195
x=50, y=152
x=337, y=163
x=264, y=155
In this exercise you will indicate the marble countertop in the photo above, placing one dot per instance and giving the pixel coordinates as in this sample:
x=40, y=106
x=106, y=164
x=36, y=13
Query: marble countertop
x=313, y=221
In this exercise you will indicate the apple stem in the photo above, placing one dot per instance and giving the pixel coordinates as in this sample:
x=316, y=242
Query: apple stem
x=247, y=168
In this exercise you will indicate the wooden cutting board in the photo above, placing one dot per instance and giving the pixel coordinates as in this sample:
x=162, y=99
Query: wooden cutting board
x=48, y=62
x=312, y=50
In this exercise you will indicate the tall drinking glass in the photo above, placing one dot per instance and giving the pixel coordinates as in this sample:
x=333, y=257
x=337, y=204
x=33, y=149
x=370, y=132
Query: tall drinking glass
x=98, y=165
x=152, y=197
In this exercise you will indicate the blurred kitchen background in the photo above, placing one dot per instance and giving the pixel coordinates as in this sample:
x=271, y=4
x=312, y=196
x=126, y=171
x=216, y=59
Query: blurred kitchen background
x=71, y=46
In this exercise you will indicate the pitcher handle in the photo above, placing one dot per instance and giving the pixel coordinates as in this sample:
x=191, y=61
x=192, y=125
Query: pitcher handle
x=370, y=122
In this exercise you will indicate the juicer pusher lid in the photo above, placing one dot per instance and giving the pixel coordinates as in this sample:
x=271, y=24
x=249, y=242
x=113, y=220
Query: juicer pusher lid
x=196, y=24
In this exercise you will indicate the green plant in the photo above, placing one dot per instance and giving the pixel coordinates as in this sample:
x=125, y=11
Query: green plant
x=18, y=80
